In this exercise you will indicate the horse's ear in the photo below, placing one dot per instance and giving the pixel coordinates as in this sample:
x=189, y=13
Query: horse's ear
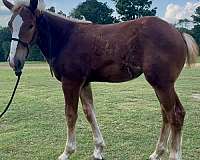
x=8, y=4
x=33, y=5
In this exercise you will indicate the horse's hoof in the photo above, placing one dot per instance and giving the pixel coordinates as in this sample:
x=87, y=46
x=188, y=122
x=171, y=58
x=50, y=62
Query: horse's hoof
x=63, y=157
x=154, y=157
x=93, y=158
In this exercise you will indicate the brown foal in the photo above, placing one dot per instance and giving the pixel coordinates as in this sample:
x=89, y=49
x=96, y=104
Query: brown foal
x=80, y=53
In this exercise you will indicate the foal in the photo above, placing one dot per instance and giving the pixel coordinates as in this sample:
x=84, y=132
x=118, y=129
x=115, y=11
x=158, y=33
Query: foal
x=80, y=53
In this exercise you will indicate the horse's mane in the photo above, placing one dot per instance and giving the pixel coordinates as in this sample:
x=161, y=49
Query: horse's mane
x=69, y=18
x=42, y=6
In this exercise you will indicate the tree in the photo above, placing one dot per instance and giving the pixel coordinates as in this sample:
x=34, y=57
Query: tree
x=133, y=9
x=184, y=23
x=196, y=16
x=5, y=37
x=52, y=9
x=196, y=33
x=61, y=13
x=94, y=11
x=196, y=30
x=5, y=48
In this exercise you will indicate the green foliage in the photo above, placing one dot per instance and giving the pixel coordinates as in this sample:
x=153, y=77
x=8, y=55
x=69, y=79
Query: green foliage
x=5, y=37
x=61, y=13
x=184, y=24
x=6, y=48
x=196, y=29
x=94, y=11
x=133, y=9
x=53, y=10
x=196, y=16
x=196, y=33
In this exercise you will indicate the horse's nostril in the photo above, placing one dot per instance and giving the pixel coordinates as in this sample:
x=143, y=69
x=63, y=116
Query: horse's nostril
x=17, y=65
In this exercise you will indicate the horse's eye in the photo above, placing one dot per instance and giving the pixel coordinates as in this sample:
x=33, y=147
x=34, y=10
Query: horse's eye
x=31, y=26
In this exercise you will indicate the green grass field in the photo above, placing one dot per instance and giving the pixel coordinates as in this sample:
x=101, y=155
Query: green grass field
x=128, y=114
x=198, y=59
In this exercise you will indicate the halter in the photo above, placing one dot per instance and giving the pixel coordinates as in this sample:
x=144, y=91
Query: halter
x=26, y=45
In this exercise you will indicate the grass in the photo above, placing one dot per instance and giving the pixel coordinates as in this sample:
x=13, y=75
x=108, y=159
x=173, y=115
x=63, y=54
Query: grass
x=128, y=114
x=198, y=59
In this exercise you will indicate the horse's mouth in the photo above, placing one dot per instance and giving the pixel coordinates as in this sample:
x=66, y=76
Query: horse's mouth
x=18, y=68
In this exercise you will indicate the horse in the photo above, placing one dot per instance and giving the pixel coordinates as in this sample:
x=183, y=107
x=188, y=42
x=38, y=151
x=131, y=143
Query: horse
x=81, y=53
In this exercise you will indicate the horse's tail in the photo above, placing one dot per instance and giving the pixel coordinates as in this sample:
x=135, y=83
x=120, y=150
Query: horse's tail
x=193, y=49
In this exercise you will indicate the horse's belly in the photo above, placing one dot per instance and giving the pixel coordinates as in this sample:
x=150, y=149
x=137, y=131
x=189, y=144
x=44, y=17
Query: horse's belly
x=116, y=74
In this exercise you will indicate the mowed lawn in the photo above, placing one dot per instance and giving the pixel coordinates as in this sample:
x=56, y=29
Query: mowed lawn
x=128, y=114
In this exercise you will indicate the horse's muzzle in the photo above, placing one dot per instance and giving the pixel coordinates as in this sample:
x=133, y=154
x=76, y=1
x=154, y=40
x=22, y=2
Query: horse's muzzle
x=18, y=73
x=17, y=67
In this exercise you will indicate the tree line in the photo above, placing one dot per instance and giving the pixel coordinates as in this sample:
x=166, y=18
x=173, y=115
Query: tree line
x=100, y=13
x=184, y=24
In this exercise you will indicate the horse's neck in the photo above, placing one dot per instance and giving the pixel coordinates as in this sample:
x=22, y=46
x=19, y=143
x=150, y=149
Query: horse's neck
x=53, y=33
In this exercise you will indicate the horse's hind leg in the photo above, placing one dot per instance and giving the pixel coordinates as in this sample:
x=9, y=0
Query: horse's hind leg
x=173, y=116
x=87, y=103
x=163, y=139
x=176, y=122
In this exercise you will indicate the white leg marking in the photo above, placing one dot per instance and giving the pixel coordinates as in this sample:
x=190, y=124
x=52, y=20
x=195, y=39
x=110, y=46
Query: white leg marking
x=162, y=143
x=87, y=103
x=70, y=146
x=16, y=25
x=98, y=139
x=176, y=154
x=97, y=136
x=71, y=143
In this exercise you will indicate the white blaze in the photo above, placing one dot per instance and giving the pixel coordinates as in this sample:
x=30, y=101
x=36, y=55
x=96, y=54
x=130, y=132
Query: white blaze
x=16, y=25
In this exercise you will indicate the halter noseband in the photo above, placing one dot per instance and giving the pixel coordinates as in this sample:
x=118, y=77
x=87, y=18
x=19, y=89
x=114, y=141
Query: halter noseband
x=26, y=45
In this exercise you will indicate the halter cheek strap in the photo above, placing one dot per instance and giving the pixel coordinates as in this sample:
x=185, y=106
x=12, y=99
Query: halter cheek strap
x=26, y=45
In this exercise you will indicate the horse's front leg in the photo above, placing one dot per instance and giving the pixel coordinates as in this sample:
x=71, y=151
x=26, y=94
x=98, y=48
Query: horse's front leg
x=87, y=102
x=71, y=93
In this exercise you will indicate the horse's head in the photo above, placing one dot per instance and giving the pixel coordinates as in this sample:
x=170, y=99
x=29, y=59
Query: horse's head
x=23, y=27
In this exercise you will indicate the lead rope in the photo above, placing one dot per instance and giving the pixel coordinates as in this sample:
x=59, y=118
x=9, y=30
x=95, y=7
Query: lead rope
x=13, y=94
